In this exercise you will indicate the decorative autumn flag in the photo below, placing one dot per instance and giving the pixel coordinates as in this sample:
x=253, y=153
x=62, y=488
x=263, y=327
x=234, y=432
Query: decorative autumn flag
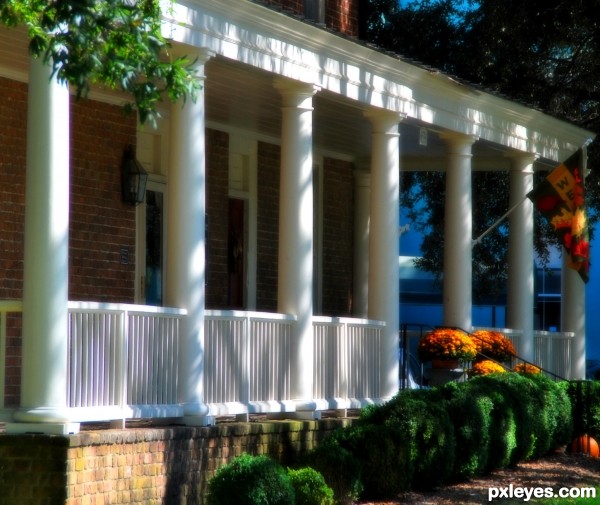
x=560, y=197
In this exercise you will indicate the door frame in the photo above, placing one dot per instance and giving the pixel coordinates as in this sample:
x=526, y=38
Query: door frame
x=155, y=183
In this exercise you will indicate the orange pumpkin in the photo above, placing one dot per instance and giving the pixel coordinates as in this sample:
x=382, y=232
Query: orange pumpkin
x=586, y=445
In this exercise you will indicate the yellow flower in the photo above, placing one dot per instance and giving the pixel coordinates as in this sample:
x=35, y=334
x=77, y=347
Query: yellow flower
x=446, y=343
x=525, y=368
x=486, y=367
x=493, y=344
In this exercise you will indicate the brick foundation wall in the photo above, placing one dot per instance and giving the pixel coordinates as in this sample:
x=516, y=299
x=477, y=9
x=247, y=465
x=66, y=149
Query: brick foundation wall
x=146, y=466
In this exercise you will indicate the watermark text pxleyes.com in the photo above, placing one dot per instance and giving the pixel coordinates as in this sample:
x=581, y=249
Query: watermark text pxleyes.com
x=527, y=493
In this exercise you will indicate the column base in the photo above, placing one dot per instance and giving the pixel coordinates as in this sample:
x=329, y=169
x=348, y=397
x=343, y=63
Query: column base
x=196, y=409
x=57, y=415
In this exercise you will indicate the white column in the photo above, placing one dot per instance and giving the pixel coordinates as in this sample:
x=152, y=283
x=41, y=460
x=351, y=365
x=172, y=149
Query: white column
x=384, y=272
x=45, y=284
x=521, y=294
x=295, y=275
x=186, y=269
x=458, y=232
x=573, y=316
x=362, y=202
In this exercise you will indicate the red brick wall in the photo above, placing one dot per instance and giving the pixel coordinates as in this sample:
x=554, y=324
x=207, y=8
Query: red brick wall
x=217, y=195
x=13, y=117
x=101, y=224
x=337, y=237
x=340, y=15
x=268, y=226
x=295, y=6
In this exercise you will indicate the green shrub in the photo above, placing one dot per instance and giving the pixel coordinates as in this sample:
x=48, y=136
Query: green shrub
x=511, y=430
x=335, y=460
x=530, y=416
x=471, y=416
x=407, y=443
x=424, y=438
x=585, y=400
x=558, y=414
x=310, y=487
x=250, y=480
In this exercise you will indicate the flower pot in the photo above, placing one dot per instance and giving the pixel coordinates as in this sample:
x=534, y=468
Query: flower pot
x=443, y=371
x=445, y=364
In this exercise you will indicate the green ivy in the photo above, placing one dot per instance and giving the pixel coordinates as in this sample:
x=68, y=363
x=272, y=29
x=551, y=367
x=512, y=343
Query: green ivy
x=113, y=43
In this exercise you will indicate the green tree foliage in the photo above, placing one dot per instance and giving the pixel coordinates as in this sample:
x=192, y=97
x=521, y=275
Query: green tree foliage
x=114, y=43
x=543, y=53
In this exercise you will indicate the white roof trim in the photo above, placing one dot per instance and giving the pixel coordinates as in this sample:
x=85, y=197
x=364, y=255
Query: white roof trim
x=280, y=44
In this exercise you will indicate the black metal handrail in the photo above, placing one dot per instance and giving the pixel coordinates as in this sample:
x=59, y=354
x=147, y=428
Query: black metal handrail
x=406, y=355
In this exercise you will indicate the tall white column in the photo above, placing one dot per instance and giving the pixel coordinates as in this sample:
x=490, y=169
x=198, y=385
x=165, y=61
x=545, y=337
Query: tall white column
x=384, y=271
x=45, y=284
x=295, y=275
x=362, y=203
x=520, y=303
x=573, y=316
x=186, y=267
x=458, y=233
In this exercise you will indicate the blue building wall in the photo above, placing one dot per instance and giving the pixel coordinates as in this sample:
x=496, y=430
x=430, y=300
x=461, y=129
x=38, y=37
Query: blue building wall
x=421, y=298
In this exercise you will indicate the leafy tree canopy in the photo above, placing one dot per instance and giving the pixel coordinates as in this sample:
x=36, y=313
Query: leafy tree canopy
x=114, y=43
x=544, y=53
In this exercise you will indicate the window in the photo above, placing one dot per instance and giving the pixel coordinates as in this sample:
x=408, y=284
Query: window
x=315, y=10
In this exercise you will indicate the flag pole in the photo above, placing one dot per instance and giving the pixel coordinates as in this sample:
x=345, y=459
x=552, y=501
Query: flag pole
x=502, y=218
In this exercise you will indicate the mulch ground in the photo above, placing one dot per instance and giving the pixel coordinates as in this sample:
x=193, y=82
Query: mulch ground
x=555, y=471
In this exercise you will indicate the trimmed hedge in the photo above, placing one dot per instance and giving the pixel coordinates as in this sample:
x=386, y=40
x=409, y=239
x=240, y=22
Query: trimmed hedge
x=585, y=397
x=251, y=480
x=424, y=438
x=260, y=480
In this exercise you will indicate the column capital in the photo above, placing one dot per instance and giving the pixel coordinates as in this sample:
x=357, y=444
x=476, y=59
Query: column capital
x=383, y=120
x=521, y=161
x=459, y=143
x=294, y=93
x=198, y=57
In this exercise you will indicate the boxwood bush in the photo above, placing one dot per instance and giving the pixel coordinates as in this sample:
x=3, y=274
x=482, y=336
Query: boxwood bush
x=310, y=487
x=471, y=416
x=250, y=480
x=424, y=438
x=585, y=398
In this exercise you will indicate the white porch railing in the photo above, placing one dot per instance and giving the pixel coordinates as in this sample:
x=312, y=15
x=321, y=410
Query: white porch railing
x=552, y=352
x=247, y=362
x=346, y=361
x=123, y=361
x=551, y=349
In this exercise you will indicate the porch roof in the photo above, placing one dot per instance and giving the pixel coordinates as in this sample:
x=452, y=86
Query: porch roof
x=254, y=44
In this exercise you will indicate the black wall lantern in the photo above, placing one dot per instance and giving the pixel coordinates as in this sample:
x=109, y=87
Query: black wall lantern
x=133, y=178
